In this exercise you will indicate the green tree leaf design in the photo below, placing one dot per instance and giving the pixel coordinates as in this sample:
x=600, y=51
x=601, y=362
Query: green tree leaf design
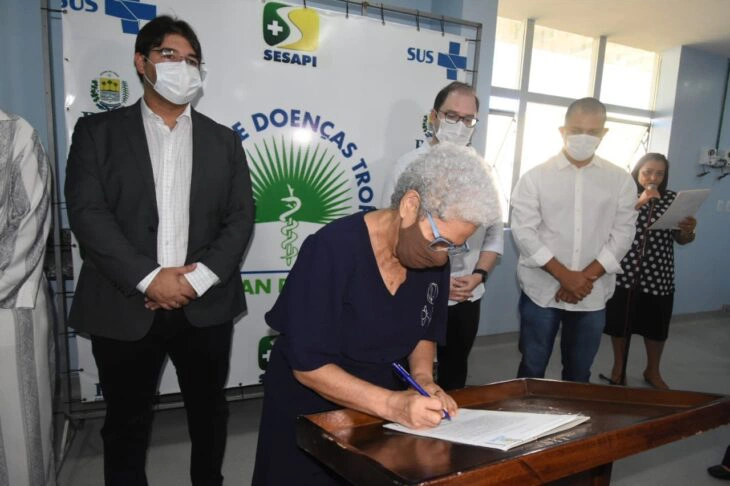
x=314, y=175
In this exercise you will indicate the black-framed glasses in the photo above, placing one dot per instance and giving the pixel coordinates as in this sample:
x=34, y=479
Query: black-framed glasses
x=168, y=54
x=453, y=118
x=439, y=243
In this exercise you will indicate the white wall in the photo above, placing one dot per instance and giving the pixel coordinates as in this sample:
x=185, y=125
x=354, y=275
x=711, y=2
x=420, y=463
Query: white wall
x=21, y=75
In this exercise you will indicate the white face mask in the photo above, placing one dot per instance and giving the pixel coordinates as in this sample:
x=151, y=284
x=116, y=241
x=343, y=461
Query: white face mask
x=581, y=147
x=177, y=82
x=457, y=133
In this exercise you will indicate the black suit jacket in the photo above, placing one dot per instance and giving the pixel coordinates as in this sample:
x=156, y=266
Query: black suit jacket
x=112, y=209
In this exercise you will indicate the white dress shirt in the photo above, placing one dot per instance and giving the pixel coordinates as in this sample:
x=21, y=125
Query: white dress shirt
x=577, y=216
x=171, y=154
x=483, y=239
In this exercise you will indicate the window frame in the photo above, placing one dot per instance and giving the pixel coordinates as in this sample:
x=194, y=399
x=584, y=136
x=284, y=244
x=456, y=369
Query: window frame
x=523, y=96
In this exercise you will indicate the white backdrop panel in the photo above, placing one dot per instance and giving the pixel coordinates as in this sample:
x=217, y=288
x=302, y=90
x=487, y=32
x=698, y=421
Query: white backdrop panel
x=320, y=135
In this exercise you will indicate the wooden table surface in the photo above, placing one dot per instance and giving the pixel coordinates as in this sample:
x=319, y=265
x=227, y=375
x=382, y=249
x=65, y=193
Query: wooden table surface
x=623, y=421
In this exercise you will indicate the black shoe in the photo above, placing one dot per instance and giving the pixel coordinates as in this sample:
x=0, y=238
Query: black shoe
x=719, y=472
x=609, y=380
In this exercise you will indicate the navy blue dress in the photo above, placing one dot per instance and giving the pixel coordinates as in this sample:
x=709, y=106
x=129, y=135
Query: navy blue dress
x=335, y=308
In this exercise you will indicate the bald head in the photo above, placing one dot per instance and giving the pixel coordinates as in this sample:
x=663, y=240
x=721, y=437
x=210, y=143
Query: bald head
x=588, y=106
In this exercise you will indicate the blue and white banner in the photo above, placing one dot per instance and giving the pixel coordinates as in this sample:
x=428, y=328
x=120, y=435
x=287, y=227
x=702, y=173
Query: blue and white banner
x=324, y=105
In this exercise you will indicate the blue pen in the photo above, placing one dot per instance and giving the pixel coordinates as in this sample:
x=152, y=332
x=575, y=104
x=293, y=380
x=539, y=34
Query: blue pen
x=409, y=379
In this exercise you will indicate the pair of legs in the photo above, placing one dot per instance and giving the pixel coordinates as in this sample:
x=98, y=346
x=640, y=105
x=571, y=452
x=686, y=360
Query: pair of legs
x=129, y=374
x=579, y=339
x=453, y=357
x=635, y=312
x=653, y=357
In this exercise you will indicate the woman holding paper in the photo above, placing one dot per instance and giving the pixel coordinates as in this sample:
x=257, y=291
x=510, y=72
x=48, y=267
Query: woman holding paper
x=644, y=293
x=368, y=290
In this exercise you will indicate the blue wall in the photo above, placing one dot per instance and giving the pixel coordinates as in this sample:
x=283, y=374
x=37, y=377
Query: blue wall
x=21, y=77
x=696, y=86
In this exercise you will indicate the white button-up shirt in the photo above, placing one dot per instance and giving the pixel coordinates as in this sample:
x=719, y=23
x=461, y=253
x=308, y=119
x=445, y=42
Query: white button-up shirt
x=576, y=215
x=483, y=239
x=171, y=154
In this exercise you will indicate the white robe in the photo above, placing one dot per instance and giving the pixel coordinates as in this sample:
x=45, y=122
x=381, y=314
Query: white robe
x=27, y=367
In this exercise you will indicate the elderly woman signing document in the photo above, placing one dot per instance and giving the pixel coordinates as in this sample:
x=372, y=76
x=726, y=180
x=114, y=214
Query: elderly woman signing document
x=366, y=291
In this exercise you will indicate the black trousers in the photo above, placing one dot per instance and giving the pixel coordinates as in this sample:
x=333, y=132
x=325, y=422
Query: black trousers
x=129, y=374
x=461, y=329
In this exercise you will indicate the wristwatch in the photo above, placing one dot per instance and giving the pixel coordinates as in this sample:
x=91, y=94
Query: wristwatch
x=481, y=272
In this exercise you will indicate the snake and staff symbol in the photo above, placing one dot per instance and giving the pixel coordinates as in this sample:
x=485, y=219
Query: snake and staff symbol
x=294, y=203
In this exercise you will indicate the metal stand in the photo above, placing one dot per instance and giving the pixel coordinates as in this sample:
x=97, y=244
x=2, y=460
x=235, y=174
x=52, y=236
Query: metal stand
x=62, y=383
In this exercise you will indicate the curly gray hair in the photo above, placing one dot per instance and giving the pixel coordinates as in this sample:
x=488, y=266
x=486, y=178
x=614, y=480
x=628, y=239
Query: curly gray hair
x=454, y=182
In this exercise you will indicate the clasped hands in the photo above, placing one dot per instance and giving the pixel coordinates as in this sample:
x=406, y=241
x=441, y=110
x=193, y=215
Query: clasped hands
x=462, y=288
x=574, y=286
x=170, y=289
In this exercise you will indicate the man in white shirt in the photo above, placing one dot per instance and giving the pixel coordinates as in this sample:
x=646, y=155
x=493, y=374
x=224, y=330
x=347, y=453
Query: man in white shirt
x=159, y=197
x=453, y=118
x=573, y=221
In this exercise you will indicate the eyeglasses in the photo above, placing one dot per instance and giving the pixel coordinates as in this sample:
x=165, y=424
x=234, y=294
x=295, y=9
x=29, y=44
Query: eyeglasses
x=168, y=54
x=451, y=117
x=440, y=243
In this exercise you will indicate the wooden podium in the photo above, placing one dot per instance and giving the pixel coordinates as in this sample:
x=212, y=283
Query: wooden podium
x=623, y=421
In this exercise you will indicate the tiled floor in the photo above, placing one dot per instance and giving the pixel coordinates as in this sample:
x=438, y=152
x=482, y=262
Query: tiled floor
x=696, y=358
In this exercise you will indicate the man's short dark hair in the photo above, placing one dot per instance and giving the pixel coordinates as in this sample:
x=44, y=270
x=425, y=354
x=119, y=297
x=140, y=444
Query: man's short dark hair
x=450, y=88
x=586, y=105
x=153, y=34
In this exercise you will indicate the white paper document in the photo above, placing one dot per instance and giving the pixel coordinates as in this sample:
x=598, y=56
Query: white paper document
x=685, y=204
x=496, y=429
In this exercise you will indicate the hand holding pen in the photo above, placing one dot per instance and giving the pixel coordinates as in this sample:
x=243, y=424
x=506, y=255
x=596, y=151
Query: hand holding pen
x=407, y=378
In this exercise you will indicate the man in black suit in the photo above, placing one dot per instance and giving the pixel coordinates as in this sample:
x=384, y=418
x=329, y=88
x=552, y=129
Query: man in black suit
x=159, y=198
